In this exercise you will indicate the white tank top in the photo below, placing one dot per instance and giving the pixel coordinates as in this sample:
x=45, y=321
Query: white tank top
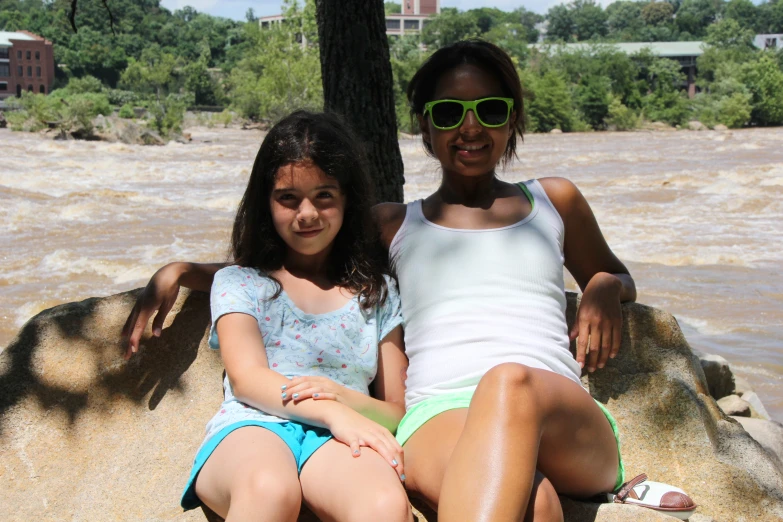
x=473, y=299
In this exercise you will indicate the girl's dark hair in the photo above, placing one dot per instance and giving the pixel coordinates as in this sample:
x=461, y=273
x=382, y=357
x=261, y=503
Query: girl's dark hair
x=357, y=259
x=479, y=53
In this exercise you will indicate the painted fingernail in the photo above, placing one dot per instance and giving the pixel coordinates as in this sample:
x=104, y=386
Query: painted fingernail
x=295, y=396
x=315, y=395
x=283, y=395
x=283, y=387
x=402, y=477
x=394, y=461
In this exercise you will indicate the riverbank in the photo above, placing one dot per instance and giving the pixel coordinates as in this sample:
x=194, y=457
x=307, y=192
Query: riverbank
x=695, y=215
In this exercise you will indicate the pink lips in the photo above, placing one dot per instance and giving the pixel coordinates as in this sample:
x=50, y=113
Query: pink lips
x=309, y=233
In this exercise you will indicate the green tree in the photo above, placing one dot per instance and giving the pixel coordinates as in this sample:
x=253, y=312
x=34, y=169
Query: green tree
x=510, y=37
x=694, y=16
x=561, y=24
x=529, y=20
x=764, y=80
x=657, y=13
x=743, y=11
x=392, y=7
x=448, y=27
x=549, y=106
x=593, y=96
x=666, y=102
x=589, y=19
x=624, y=19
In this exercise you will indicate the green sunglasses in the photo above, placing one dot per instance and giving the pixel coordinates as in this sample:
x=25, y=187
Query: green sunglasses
x=449, y=114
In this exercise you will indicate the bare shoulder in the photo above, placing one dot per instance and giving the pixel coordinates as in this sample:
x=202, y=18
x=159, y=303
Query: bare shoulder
x=389, y=217
x=564, y=195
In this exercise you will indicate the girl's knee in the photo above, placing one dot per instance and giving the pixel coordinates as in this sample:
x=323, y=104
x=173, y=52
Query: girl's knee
x=507, y=377
x=387, y=504
x=269, y=488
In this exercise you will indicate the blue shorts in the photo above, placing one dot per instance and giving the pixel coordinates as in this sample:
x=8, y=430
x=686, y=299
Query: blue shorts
x=302, y=439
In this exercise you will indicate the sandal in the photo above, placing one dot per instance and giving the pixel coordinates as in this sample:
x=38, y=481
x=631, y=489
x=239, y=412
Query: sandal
x=654, y=495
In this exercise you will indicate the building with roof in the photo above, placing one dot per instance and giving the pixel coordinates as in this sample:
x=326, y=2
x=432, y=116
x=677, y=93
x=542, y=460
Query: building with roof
x=26, y=64
x=410, y=21
x=685, y=53
x=768, y=41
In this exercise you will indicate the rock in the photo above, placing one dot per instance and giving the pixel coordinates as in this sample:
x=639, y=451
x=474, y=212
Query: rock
x=768, y=433
x=85, y=435
x=755, y=403
x=720, y=127
x=696, y=125
x=720, y=378
x=658, y=126
x=99, y=122
x=697, y=517
x=741, y=385
x=555, y=131
x=733, y=405
x=149, y=137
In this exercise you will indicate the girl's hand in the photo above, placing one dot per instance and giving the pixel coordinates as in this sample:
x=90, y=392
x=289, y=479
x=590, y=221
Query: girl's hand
x=354, y=430
x=159, y=296
x=599, y=322
x=316, y=388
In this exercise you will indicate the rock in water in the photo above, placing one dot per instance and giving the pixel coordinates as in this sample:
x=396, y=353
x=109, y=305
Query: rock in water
x=734, y=405
x=720, y=379
x=86, y=436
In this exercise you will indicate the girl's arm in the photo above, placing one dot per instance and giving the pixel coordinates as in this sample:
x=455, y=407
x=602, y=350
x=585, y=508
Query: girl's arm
x=160, y=294
x=603, y=278
x=388, y=406
x=255, y=384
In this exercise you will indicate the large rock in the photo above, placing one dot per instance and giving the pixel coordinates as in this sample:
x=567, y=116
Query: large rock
x=734, y=406
x=768, y=433
x=720, y=378
x=87, y=436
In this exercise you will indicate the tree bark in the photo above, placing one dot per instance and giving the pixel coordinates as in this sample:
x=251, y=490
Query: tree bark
x=357, y=80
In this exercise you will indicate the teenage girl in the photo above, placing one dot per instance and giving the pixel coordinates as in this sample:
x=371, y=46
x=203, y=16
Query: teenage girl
x=306, y=323
x=497, y=423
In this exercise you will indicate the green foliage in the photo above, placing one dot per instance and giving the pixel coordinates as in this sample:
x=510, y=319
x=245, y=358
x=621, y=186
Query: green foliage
x=448, y=27
x=126, y=112
x=744, y=12
x=764, y=79
x=666, y=102
x=657, y=13
x=84, y=84
x=406, y=58
x=592, y=98
x=67, y=112
x=168, y=115
x=392, y=7
x=549, y=106
x=278, y=76
x=620, y=117
x=624, y=19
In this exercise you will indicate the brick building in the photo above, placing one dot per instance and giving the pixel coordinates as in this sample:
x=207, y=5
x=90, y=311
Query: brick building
x=26, y=64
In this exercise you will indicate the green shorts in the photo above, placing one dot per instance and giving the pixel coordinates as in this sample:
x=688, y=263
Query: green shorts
x=419, y=414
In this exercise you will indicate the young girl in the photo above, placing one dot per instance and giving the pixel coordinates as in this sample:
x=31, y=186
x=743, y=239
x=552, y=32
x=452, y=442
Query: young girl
x=497, y=423
x=305, y=314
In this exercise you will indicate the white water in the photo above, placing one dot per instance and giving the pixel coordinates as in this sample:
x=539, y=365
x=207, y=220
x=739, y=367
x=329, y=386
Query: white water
x=695, y=215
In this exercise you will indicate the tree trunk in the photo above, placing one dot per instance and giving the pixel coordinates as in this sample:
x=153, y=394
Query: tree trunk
x=357, y=79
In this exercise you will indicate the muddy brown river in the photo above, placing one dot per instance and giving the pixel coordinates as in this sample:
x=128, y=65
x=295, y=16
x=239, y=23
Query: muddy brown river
x=696, y=216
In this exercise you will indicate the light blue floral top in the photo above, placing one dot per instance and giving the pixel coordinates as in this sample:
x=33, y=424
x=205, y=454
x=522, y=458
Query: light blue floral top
x=341, y=345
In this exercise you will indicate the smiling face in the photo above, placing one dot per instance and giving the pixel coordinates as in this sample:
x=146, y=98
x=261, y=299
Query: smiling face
x=307, y=208
x=470, y=149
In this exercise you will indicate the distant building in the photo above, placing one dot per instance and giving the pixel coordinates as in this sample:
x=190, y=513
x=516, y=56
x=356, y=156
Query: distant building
x=768, y=41
x=411, y=21
x=26, y=64
x=685, y=53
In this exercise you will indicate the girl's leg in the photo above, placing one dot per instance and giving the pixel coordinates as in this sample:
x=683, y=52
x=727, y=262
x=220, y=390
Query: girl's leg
x=251, y=475
x=521, y=418
x=427, y=455
x=340, y=487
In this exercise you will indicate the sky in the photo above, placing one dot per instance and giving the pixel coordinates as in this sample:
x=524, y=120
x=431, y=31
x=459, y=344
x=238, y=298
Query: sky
x=236, y=9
